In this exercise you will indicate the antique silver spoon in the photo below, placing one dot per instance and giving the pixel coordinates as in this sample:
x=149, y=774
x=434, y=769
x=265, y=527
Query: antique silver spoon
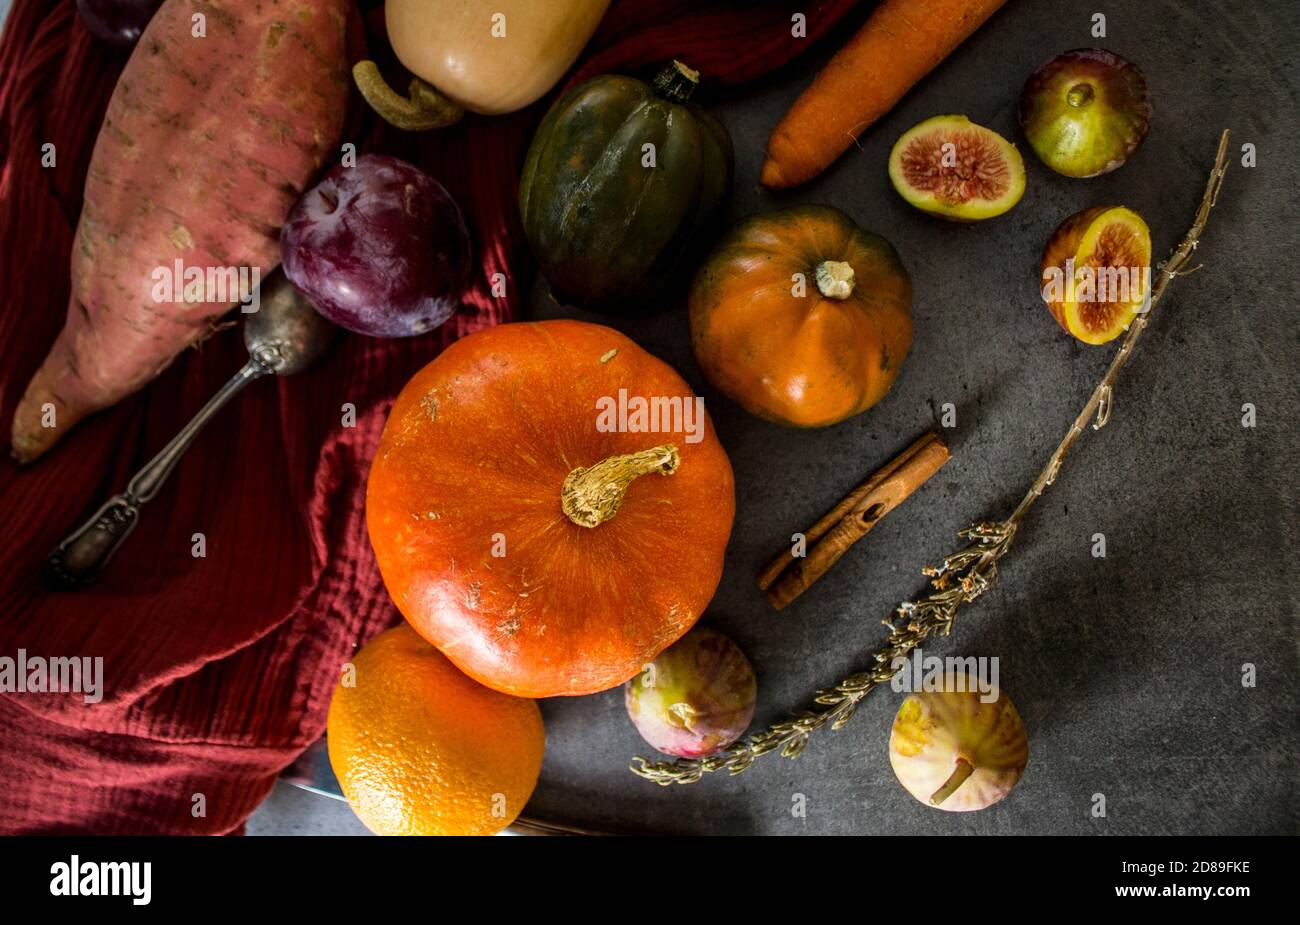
x=284, y=336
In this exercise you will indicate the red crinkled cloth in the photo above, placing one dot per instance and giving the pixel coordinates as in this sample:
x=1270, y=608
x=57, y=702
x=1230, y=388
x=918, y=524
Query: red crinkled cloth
x=218, y=670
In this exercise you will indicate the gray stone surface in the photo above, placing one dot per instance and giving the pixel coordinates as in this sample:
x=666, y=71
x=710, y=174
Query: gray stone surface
x=1127, y=670
x=289, y=810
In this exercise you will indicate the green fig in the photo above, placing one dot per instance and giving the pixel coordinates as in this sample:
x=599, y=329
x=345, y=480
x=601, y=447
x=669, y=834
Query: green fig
x=1085, y=112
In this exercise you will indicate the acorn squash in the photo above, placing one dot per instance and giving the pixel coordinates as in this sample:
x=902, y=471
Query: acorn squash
x=622, y=186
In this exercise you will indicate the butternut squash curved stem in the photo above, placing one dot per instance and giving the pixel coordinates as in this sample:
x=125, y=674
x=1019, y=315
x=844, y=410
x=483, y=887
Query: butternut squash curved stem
x=423, y=108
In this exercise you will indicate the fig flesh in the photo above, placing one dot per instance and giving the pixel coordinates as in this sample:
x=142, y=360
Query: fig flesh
x=951, y=167
x=696, y=697
x=953, y=751
x=1085, y=112
x=1096, y=272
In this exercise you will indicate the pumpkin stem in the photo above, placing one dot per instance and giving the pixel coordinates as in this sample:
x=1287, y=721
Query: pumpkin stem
x=421, y=109
x=835, y=279
x=676, y=82
x=963, y=770
x=592, y=495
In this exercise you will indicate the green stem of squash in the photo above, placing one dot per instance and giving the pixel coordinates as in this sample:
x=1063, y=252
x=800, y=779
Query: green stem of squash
x=592, y=495
x=423, y=107
x=676, y=83
x=958, y=777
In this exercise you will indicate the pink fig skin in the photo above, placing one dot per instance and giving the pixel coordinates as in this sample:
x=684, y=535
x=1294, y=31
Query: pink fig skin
x=696, y=698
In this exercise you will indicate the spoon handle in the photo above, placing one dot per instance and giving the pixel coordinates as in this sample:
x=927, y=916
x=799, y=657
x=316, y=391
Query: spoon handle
x=77, y=561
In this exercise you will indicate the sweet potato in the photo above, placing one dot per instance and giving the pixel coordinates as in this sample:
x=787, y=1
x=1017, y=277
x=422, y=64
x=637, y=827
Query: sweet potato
x=207, y=143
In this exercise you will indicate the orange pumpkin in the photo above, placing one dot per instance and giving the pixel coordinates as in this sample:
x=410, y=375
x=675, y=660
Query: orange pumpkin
x=545, y=543
x=801, y=316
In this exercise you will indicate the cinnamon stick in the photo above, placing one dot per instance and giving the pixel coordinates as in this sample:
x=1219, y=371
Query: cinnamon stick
x=786, y=577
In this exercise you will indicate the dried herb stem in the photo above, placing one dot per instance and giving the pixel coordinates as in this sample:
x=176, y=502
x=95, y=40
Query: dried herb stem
x=960, y=578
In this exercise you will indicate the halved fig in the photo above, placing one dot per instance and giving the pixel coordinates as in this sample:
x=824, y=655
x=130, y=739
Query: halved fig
x=951, y=167
x=1085, y=111
x=1096, y=272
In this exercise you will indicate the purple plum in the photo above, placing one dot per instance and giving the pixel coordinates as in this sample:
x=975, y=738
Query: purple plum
x=117, y=22
x=696, y=697
x=380, y=247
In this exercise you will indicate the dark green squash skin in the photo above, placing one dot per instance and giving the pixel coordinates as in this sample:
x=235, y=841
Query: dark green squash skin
x=609, y=233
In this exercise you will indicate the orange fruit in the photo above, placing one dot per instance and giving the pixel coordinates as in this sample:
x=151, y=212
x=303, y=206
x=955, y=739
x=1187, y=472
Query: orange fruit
x=421, y=749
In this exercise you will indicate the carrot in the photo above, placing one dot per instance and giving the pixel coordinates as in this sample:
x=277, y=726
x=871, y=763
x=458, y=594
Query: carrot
x=206, y=144
x=902, y=42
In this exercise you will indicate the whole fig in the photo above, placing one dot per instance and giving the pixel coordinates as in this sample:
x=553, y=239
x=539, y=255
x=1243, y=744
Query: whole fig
x=952, y=750
x=696, y=697
x=1085, y=112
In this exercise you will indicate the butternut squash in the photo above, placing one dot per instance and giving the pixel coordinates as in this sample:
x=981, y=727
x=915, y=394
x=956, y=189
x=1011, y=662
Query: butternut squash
x=484, y=56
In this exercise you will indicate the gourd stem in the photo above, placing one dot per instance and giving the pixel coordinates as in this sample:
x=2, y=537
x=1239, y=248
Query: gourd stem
x=676, y=82
x=592, y=495
x=834, y=279
x=422, y=109
x=963, y=770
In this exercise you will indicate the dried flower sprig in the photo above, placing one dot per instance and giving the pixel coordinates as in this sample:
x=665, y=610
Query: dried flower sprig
x=960, y=579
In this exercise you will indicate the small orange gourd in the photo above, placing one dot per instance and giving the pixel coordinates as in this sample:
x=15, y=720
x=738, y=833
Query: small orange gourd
x=801, y=316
